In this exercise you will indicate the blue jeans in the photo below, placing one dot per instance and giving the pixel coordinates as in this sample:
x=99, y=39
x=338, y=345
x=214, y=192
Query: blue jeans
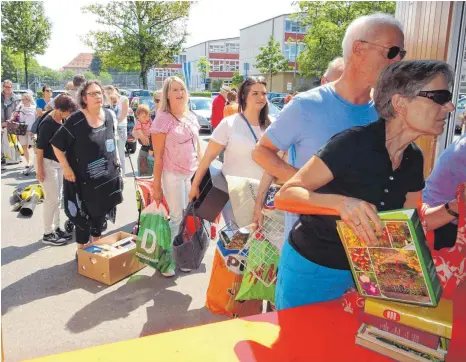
x=121, y=144
x=301, y=282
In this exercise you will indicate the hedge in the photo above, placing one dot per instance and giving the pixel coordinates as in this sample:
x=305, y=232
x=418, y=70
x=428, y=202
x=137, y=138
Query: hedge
x=201, y=94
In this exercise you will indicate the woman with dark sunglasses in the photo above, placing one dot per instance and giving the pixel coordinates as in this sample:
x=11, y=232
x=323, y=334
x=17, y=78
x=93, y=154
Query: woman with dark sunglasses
x=360, y=171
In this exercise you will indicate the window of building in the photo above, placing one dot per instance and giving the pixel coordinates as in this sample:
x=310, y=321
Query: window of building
x=217, y=65
x=224, y=65
x=294, y=26
x=291, y=52
x=217, y=48
x=232, y=48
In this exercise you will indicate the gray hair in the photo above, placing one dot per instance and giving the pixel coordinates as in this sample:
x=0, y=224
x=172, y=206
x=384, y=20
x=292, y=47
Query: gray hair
x=337, y=64
x=7, y=81
x=29, y=97
x=361, y=27
x=406, y=78
x=165, y=103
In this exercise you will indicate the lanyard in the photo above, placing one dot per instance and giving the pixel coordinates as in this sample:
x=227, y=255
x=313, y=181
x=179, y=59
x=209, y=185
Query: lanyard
x=250, y=128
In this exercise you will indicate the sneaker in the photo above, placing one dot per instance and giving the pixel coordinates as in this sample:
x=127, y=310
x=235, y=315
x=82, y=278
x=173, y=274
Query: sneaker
x=53, y=239
x=168, y=274
x=185, y=270
x=63, y=234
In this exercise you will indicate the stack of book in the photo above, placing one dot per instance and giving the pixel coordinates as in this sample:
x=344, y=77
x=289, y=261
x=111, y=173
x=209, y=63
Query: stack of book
x=406, y=332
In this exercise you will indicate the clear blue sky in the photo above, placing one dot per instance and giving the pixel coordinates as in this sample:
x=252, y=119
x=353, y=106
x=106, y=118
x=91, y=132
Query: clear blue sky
x=208, y=19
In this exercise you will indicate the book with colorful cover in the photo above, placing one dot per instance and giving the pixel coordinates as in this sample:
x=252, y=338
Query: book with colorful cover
x=399, y=267
x=438, y=320
x=412, y=334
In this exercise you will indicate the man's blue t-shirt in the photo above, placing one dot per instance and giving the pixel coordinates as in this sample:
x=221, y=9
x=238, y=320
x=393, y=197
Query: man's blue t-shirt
x=310, y=120
x=41, y=104
x=448, y=173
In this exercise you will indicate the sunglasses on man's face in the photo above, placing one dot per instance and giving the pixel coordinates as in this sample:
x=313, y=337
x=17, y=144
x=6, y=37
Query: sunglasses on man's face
x=392, y=51
x=440, y=97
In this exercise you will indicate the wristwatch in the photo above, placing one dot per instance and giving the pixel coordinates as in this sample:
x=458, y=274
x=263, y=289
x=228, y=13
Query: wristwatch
x=450, y=211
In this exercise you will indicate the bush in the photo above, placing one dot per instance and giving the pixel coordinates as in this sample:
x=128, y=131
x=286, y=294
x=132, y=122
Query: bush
x=201, y=94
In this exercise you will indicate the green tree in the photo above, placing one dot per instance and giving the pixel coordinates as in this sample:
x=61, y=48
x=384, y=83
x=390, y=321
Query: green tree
x=140, y=34
x=9, y=64
x=180, y=75
x=204, y=67
x=271, y=60
x=50, y=76
x=237, y=79
x=216, y=84
x=25, y=29
x=96, y=65
x=67, y=75
x=105, y=78
x=327, y=21
x=89, y=75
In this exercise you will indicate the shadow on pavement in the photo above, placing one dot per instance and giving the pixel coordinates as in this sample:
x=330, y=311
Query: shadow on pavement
x=13, y=253
x=44, y=283
x=137, y=291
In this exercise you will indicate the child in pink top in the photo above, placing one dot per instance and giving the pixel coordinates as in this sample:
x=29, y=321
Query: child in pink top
x=142, y=131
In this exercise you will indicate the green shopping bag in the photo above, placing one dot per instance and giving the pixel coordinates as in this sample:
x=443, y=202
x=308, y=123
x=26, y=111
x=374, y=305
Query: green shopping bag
x=153, y=244
x=260, y=277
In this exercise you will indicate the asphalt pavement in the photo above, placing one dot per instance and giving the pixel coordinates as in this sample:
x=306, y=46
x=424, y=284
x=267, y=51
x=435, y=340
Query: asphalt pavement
x=48, y=308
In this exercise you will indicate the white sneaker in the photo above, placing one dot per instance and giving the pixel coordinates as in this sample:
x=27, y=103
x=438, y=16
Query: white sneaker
x=185, y=270
x=168, y=274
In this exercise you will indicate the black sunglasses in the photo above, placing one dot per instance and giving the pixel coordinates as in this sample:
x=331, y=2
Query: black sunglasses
x=255, y=79
x=441, y=96
x=392, y=51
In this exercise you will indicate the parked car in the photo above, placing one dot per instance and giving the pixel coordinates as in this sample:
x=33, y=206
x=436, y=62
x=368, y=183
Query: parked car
x=138, y=93
x=136, y=101
x=460, y=113
x=278, y=101
x=273, y=111
x=214, y=94
x=57, y=92
x=202, y=108
x=272, y=95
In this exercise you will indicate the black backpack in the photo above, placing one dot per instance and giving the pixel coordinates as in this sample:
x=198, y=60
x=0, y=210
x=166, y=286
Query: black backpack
x=38, y=122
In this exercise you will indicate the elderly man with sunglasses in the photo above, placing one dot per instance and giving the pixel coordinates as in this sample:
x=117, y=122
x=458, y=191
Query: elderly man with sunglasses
x=10, y=102
x=370, y=44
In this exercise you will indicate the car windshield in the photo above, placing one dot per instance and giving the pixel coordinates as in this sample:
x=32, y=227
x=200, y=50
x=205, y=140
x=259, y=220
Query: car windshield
x=147, y=100
x=140, y=93
x=273, y=109
x=201, y=104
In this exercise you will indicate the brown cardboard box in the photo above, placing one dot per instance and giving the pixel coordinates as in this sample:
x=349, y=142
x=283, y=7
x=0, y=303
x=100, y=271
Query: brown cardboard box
x=109, y=270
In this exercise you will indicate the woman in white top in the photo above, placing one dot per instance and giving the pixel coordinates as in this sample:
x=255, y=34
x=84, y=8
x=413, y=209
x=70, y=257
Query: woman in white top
x=237, y=135
x=27, y=114
x=121, y=111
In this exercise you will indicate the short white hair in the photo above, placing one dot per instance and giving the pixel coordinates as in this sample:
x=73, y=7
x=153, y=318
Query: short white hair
x=361, y=27
x=337, y=64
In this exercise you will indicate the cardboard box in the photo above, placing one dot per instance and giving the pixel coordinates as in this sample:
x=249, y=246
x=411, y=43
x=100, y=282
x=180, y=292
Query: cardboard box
x=213, y=194
x=109, y=270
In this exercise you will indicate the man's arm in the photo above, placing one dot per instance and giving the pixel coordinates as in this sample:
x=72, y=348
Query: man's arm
x=265, y=154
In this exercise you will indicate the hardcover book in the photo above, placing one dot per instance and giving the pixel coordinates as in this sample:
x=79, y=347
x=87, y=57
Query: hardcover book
x=438, y=321
x=399, y=265
x=412, y=334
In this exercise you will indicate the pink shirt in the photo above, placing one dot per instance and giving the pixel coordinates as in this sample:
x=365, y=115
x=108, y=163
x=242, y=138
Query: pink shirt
x=180, y=155
x=144, y=127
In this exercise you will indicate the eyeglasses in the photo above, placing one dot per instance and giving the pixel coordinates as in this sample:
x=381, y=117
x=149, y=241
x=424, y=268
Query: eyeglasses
x=48, y=90
x=7, y=86
x=440, y=97
x=94, y=94
x=157, y=100
x=392, y=51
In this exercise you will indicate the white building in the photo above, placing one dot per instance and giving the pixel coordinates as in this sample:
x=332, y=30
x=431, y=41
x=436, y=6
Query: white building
x=223, y=55
x=290, y=34
x=157, y=75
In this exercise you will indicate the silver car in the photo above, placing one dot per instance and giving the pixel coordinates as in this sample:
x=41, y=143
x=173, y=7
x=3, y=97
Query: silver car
x=202, y=108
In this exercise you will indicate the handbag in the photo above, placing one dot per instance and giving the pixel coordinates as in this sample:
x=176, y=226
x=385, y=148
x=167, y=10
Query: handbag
x=192, y=241
x=17, y=128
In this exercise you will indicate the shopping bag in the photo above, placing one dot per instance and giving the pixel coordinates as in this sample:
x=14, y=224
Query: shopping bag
x=192, y=241
x=225, y=281
x=260, y=277
x=153, y=244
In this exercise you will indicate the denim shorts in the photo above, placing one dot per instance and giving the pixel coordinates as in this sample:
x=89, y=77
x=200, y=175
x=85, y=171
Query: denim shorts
x=301, y=282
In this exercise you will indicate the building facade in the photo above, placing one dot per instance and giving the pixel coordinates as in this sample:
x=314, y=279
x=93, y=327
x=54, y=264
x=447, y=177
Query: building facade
x=81, y=63
x=289, y=33
x=157, y=75
x=223, y=55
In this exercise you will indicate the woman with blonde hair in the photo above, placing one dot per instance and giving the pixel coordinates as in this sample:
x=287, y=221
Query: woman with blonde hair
x=175, y=140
